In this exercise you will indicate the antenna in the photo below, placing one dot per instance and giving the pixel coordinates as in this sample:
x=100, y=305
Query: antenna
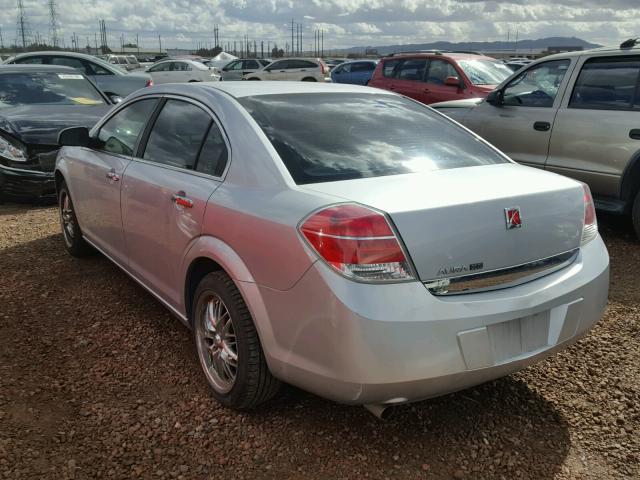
x=23, y=32
x=53, y=23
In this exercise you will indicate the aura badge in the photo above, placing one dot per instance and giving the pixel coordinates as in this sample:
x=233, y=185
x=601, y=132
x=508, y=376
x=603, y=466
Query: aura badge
x=513, y=217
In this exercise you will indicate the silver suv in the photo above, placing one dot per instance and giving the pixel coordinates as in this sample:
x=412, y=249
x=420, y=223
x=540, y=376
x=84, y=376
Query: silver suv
x=573, y=113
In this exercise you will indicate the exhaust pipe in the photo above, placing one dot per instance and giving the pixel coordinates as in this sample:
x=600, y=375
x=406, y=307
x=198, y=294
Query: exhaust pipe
x=378, y=410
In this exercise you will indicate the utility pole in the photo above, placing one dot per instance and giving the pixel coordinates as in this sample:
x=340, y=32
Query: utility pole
x=138, y=44
x=53, y=23
x=23, y=31
x=160, y=43
x=95, y=38
x=292, y=34
x=322, y=43
x=1, y=41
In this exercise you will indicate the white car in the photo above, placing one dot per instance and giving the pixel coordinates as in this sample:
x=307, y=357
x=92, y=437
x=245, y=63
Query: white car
x=181, y=71
x=293, y=69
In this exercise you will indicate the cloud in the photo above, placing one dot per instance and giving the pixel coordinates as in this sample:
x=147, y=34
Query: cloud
x=346, y=23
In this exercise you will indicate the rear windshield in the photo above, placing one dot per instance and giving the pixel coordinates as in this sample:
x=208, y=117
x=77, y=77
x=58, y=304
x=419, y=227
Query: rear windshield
x=325, y=137
x=485, y=72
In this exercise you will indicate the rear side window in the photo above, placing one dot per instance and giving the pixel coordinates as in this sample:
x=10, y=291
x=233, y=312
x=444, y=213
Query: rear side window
x=389, y=68
x=607, y=84
x=120, y=134
x=412, y=69
x=325, y=137
x=69, y=62
x=177, y=135
x=213, y=156
x=363, y=67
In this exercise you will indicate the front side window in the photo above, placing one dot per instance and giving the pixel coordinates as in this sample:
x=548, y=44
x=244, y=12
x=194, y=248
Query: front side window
x=343, y=68
x=95, y=69
x=161, y=67
x=389, y=67
x=537, y=86
x=363, y=67
x=177, y=135
x=324, y=137
x=120, y=133
x=607, y=83
x=280, y=65
x=68, y=62
x=412, y=69
x=251, y=65
x=30, y=60
x=48, y=88
x=180, y=67
x=439, y=71
x=237, y=65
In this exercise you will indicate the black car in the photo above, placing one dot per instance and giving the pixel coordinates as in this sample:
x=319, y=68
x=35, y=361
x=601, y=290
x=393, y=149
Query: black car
x=36, y=103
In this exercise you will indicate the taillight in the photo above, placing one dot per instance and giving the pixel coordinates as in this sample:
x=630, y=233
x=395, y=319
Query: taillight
x=324, y=67
x=358, y=242
x=149, y=83
x=590, y=229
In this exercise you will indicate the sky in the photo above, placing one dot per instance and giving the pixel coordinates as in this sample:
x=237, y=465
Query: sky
x=346, y=23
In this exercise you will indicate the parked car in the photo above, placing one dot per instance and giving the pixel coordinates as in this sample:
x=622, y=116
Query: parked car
x=177, y=71
x=571, y=113
x=340, y=238
x=357, y=73
x=437, y=77
x=133, y=62
x=36, y=103
x=110, y=79
x=292, y=69
x=236, y=69
x=518, y=64
x=331, y=63
x=122, y=61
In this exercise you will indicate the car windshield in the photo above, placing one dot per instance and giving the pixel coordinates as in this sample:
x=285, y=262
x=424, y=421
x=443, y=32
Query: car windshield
x=485, y=72
x=324, y=137
x=47, y=88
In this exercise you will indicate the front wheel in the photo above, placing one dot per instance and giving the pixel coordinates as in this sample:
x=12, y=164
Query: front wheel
x=635, y=215
x=254, y=79
x=73, y=240
x=309, y=79
x=228, y=346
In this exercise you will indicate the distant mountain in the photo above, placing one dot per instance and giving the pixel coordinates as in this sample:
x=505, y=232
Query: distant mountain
x=523, y=46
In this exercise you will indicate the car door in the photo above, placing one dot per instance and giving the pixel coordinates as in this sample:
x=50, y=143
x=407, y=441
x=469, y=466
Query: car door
x=361, y=72
x=233, y=71
x=98, y=176
x=160, y=72
x=299, y=69
x=341, y=74
x=165, y=193
x=435, y=88
x=409, y=78
x=520, y=124
x=597, y=128
x=276, y=71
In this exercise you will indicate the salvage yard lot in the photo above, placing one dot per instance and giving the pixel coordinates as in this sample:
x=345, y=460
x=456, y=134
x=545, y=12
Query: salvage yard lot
x=97, y=380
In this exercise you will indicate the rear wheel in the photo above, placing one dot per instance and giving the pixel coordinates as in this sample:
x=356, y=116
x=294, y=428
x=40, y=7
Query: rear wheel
x=635, y=214
x=253, y=78
x=309, y=79
x=73, y=240
x=228, y=346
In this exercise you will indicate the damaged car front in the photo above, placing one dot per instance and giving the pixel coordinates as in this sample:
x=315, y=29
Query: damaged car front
x=36, y=103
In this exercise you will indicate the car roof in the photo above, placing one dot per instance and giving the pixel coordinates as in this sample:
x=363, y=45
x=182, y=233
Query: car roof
x=372, y=60
x=20, y=68
x=439, y=54
x=247, y=88
x=59, y=54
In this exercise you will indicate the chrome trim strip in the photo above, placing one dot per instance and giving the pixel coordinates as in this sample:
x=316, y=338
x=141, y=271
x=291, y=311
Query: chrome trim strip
x=501, y=278
x=346, y=237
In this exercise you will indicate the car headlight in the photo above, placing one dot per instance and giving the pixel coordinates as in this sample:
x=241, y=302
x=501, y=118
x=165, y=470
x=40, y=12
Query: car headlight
x=11, y=150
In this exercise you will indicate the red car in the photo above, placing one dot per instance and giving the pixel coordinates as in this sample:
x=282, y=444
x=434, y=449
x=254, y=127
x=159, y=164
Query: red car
x=439, y=76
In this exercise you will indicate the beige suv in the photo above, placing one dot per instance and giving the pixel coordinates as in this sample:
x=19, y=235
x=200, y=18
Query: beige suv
x=293, y=69
x=577, y=114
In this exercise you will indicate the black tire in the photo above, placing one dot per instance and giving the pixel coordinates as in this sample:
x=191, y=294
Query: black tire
x=253, y=383
x=635, y=215
x=309, y=79
x=254, y=79
x=193, y=81
x=71, y=232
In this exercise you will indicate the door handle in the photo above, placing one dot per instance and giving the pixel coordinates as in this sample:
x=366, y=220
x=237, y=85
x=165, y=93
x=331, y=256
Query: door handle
x=113, y=176
x=426, y=90
x=283, y=71
x=303, y=70
x=634, y=134
x=181, y=199
x=542, y=126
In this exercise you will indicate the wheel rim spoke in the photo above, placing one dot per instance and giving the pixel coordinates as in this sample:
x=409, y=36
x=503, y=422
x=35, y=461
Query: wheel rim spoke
x=218, y=344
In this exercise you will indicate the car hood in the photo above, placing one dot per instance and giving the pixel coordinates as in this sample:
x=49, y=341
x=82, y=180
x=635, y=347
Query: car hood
x=41, y=124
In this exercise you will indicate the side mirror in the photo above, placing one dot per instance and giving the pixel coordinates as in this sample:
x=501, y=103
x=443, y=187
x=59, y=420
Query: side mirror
x=74, y=137
x=452, y=82
x=495, y=98
x=115, y=98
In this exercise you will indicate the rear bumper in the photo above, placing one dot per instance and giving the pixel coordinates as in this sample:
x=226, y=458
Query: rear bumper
x=357, y=343
x=33, y=184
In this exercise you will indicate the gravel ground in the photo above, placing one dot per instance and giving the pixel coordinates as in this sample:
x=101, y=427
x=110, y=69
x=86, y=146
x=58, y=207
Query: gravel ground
x=97, y=380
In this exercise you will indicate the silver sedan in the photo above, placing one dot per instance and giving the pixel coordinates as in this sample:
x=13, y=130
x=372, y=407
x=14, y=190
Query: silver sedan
x=343, y=239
